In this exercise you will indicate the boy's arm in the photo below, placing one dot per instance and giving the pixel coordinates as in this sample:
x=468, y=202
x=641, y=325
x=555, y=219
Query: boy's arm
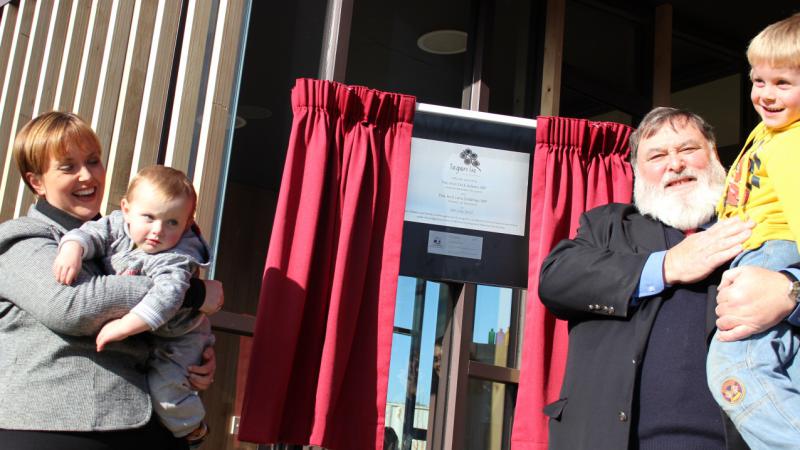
x=170, y=273
x=81, y=309
x=97, y=236
x=92, y=239
x=119, y=329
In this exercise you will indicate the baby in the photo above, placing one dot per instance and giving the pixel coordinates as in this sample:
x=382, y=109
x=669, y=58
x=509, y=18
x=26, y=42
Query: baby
x=153, y=235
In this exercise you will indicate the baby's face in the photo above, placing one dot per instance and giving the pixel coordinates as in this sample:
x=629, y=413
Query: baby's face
x=155, y=223
x=776, y=94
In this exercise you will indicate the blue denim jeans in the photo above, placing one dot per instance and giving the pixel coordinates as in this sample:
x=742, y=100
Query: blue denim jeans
x=752, y=379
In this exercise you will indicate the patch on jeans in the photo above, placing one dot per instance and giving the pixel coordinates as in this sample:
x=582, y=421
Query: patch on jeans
x=732, y=391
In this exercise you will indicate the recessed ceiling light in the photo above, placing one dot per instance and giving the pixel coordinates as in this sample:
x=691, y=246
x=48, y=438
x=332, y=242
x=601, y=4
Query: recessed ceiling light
x=253, y=112
x=443, y=42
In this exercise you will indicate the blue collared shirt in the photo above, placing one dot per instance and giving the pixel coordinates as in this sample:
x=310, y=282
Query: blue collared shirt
x=651, y=282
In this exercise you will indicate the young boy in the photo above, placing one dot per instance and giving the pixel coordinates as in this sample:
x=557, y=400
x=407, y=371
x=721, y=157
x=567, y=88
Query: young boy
x=756, y=380
x=153, y=235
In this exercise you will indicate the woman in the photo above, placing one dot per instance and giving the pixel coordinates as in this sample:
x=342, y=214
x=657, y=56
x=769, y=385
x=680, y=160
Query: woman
x=57, y=392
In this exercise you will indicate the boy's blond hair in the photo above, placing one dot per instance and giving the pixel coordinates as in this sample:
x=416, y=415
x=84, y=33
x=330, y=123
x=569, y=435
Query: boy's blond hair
x=777, y=45
x=170, y=183
x=47, y=136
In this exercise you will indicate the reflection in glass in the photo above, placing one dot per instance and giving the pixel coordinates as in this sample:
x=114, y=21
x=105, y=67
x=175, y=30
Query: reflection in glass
x=493, y=334
x=413, y=372
x=404, y=306
x=490, y=414
x=511, y=68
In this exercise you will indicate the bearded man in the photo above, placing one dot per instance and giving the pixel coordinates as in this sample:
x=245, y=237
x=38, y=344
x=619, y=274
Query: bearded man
x=638, y=285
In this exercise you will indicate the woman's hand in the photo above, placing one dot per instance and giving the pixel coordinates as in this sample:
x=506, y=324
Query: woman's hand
x=201, y=377
x=215, y=297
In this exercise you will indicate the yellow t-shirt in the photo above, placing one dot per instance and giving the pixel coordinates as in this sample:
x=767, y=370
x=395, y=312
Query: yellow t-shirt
x=764, y=185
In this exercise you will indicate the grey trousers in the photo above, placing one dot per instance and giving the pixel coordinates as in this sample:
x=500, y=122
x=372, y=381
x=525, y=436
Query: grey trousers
x=174, y=401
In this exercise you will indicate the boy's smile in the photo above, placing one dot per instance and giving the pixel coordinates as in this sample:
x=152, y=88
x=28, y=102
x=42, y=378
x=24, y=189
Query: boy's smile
x=776, y=94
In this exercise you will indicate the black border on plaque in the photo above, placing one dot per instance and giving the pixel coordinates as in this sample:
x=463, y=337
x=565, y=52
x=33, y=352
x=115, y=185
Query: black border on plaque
x=504, y=257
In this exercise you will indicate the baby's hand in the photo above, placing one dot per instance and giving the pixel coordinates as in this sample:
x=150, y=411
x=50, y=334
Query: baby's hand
x=111, y=332
x=68, y=262
x=119, y=329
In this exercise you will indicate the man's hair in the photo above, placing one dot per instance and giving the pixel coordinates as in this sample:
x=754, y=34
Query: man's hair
x=50, y=135
x=777, y=45
x=170, y=183
x=674, y=117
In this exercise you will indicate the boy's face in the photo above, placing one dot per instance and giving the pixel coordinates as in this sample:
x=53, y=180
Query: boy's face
x=776, y=95
x=155, y=223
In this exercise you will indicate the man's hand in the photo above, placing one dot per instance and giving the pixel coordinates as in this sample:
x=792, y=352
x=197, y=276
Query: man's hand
x=201, y=377
x=751, y=300
x=215, y=297
x=701, y=253
x=68, y=262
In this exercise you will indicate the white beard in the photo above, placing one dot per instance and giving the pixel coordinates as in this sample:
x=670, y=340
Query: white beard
x=685, y=210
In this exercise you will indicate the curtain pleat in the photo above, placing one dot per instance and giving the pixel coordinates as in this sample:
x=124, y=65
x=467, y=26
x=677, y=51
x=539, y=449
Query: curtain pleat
x=320, y=360
x=578, y=164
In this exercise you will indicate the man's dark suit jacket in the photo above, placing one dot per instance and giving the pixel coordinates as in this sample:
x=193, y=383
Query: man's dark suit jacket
x=590, y=281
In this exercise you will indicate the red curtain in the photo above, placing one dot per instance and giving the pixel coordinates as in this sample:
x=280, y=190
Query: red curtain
x=577, y=165
x=320, y=359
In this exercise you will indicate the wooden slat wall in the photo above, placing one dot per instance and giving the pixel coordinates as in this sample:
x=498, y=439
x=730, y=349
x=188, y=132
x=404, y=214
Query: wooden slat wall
x=34, y=66
x=91, y=58
x=215, y=132
x=68, y=74
x=194, y=53
x=128, y=102
x=51, y=60
x=11, y=89
x=210, y=162
x=156, y=86
x=115, y=63
x=8, y=22
x=112, y=64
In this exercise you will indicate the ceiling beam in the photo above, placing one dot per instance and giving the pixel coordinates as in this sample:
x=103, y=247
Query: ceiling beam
x=662, y=55
x=553, y=57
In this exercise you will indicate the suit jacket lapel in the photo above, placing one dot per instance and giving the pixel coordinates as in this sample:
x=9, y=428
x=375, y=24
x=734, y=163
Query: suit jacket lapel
x=646, y=236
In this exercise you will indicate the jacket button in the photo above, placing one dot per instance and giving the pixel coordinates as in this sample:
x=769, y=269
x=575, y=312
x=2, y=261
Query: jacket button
x=623, y=417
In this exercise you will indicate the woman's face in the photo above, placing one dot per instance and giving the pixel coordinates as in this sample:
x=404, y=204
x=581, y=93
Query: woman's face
x=72, y=182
